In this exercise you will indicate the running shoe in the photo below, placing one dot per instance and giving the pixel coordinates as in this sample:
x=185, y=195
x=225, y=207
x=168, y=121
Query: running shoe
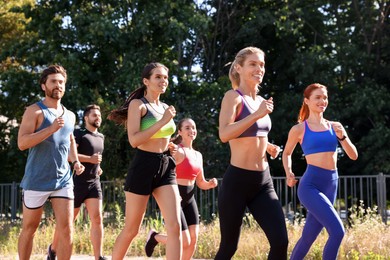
x=51, y=255
x=151, y=243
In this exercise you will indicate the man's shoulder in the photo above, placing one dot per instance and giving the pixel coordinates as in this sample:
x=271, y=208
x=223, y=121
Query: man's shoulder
x=83, y=131
x=32, y=111
x=100, y=135
x=80, y=132
x=34, y=107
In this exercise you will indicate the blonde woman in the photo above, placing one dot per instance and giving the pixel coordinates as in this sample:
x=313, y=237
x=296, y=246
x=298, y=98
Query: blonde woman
x=244, y=122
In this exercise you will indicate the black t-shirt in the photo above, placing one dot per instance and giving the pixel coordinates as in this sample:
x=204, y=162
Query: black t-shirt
x=88, y=144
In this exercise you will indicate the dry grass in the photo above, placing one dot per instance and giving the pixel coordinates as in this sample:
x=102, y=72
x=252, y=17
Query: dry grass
x=366, y=238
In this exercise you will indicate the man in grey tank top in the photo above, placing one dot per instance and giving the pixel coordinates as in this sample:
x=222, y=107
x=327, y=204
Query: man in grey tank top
x=46, y=131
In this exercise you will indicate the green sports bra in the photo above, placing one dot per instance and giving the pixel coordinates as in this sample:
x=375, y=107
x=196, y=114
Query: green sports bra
x=152, y=116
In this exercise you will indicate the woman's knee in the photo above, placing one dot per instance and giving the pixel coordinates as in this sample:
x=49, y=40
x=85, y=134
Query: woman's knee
x=173, y=228
x=337, y=233
x=130, y=230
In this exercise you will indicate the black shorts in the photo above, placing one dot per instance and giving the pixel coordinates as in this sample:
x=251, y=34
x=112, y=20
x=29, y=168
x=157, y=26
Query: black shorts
x=149, y=171
x=189, y=208
x=89, y=190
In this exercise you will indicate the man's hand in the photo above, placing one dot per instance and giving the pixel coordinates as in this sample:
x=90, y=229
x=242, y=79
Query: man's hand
x=96, y=158
x=78, y=168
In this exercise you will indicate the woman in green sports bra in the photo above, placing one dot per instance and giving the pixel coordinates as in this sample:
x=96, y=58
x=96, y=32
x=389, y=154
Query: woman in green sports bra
x=149, y=124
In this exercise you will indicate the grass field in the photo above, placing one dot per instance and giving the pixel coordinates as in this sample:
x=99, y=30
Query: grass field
x=367, y=237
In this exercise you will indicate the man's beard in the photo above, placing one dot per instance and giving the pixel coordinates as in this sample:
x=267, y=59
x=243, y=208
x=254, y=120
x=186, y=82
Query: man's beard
x=52, y=95
x=95, y=124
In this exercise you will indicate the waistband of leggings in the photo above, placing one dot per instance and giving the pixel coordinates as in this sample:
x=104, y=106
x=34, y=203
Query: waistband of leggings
x=151, y=154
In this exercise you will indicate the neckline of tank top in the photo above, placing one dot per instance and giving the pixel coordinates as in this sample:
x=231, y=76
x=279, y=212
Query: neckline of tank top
x=56, y=114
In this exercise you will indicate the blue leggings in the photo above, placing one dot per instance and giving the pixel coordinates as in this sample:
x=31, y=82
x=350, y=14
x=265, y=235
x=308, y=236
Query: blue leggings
x=254, y=190
x=317, y=192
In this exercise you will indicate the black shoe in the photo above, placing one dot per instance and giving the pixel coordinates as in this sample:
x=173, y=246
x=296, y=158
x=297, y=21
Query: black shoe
x=151, y=243
x=51, y=255
x=103, y=258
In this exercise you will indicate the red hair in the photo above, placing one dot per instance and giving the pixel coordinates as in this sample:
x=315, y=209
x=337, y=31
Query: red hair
x=304, y=112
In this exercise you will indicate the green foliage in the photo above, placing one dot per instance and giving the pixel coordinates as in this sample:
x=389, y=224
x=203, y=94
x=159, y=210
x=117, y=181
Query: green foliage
x=361, y=214
x=9, y=238
x=104, y=45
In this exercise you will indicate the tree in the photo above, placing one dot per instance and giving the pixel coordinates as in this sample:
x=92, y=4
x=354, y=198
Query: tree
x=104, y=45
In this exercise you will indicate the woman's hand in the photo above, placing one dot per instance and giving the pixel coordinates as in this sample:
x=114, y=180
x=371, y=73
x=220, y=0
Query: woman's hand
x=213, y=183
x=266, y=107
x=169, y=113
x=273, y=150
x=172, y=148
x=291, y=181
x=339, y=130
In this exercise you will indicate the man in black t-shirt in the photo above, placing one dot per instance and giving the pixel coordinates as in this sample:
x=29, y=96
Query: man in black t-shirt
x=87, y=186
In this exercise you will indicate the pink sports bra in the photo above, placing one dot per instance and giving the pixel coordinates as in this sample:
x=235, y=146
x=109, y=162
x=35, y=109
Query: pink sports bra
x=189, y=168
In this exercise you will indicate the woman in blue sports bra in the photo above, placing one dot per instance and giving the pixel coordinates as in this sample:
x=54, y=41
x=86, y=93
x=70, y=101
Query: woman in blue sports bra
x=247, y=183
x=317, y=188
x=149, y=124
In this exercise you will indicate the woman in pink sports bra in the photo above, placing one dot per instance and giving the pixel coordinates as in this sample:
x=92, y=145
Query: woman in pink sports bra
x=189, y=170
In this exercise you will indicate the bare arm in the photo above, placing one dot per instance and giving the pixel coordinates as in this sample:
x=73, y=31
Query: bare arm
x=201, y=181
x=346, y=143
x=294, y=136
x=179, y=154
x=95, y=158
x=228, y=129
x=273, y=150
x=134, y=114
x=73, y=156
x=32, y=119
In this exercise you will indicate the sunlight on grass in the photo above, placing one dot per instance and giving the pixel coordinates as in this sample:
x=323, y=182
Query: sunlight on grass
x=367, y=237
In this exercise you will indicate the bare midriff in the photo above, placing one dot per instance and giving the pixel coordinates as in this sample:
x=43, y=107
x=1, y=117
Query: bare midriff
x=249, y=153
x=325, y=160
x=185, y=182
x=157, y=145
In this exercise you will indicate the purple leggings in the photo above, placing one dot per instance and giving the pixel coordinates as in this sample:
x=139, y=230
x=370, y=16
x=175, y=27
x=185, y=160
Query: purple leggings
x=317, y=192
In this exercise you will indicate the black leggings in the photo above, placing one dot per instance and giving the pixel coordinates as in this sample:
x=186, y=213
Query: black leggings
x=253, y=189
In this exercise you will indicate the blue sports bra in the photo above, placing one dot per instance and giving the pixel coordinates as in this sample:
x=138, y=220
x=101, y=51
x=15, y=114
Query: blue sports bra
x=260, y=128
x=318, y=142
